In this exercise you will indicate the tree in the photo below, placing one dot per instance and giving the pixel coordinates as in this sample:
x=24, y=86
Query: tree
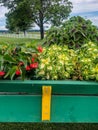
x=10, y=22
x=19, y=19
x=52, y=11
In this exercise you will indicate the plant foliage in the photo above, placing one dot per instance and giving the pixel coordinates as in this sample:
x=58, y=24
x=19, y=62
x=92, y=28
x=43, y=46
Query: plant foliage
x=18, y=62
x=57, y=63
x=61, y=63
x=74, y=32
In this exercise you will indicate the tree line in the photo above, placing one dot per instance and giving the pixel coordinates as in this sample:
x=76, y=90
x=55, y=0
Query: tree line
x=23, y=14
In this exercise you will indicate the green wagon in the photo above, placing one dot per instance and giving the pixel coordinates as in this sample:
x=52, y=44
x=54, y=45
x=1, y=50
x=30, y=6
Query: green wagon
x=48, y=101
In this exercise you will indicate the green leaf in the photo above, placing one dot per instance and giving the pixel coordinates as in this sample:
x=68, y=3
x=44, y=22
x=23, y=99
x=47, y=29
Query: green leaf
x=9, y=58
x=1, y=62
x=7, y=74
x=23, y=72
x=12, y=72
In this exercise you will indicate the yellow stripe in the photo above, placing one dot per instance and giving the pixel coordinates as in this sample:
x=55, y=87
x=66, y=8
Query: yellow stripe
x=46, y=102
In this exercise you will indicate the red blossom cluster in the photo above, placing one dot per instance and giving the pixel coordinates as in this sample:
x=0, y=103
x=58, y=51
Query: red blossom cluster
x=28, y=67
x=18, y=72
x=2, y=73
x=40, y=49
x=33, y=65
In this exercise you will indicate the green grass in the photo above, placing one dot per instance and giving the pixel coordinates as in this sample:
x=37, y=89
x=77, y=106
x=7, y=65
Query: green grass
x=48, y=126
x=19, y=40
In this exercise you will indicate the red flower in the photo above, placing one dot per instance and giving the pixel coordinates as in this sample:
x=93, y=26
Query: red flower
x=40, y=49
x=18, y=72
x=21, y=63
x=33, y=59
x=34, y=65
x=27, y=68
x=2, y=73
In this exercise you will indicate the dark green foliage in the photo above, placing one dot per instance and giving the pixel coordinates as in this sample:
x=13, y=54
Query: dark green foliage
x=74, y=32
x=20, y=18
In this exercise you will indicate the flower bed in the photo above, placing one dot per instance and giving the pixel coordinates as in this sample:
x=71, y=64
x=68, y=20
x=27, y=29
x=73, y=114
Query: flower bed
x=52, y=63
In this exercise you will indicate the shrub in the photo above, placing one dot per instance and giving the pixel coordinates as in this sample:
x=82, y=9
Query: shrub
x=74, y=32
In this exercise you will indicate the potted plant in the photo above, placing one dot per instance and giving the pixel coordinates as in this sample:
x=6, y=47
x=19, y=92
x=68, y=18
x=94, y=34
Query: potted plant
x=45, y=79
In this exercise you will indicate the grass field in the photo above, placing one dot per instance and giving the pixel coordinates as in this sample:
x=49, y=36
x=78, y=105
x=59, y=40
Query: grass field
x=11, y=40
x=34, y=35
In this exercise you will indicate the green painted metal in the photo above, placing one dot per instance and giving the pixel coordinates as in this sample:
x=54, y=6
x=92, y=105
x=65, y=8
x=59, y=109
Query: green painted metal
x=20, y=108
x=72, y=101
x=58, y=87
x=70, y=109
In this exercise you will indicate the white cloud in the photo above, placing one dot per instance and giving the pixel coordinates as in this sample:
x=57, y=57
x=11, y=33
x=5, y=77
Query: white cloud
x=3, y=10
x=80, y=6
x=94, y=19
x=2, y=28
x=86, y=8
x=83, y=1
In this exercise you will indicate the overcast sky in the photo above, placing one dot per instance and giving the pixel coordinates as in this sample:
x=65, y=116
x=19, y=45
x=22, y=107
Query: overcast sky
x=85, y=8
